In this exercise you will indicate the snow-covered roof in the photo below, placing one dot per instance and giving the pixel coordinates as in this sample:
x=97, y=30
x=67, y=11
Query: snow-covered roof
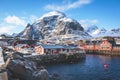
x=10, y=47
x=20, y=45
x=51, y=46
x=57, y=46
x=68, y=47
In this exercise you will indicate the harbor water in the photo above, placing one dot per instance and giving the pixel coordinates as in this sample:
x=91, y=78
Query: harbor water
x=94, y=67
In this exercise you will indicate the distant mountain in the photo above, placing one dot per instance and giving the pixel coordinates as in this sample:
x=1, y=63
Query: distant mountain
x=94, y=31
x=91, y=29
x=114, y=32
x=54, y=25
x=6, y=35
x=117, y=30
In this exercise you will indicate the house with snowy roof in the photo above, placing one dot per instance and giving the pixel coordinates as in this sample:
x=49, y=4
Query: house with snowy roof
x=45, y=49
x=24, y=48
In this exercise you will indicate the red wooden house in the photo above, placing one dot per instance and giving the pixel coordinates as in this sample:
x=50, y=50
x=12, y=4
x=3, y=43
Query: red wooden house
x=98, y=45
x=105, y=45
x=57, y=49
x=117, y=46
x=89, y=45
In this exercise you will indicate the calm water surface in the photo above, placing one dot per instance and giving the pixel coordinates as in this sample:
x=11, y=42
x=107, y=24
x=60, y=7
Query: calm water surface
x=94, y=67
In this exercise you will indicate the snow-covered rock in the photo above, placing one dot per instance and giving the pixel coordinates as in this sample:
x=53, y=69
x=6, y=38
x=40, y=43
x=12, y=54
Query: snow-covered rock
x=91, y=28
x=30, y=33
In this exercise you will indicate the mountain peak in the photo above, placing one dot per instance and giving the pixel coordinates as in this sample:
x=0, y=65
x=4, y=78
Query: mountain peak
x=53, y=13
x=52, y=24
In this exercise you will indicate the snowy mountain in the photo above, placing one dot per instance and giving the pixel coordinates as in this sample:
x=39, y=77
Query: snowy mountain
x=54, y=25
x=91, y=29
x=114, y=32
x=6, y=35
x=94, y=31
x=30, y=33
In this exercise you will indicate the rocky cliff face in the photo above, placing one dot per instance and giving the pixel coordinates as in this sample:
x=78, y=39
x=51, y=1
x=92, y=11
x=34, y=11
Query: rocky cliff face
x=30, y=33
x=53, y=24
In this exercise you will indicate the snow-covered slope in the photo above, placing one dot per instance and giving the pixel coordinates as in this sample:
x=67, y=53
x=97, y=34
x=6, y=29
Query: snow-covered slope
x=91, y=28
x=53, y=25
x=114, y=32
x=94, y=31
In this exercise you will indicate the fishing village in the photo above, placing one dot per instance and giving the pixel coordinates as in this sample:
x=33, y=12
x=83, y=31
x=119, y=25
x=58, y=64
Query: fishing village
x=24, y=58
x=60, y=40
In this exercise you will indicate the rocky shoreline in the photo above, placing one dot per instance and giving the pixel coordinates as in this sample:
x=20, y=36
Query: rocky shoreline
x=31, y=67
x=20, y=68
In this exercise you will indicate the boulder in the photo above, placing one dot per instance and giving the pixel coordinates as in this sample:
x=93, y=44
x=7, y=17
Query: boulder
x=23, y=69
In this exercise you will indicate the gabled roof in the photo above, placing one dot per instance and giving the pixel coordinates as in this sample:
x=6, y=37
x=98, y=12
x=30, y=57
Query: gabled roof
x=68, y=47
x=51, y=46
x=20, y=45
x=92, y=42
x=46, y=46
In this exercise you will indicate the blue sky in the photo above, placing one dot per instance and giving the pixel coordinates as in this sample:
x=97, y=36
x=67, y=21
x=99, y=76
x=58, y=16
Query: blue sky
x=15, y=14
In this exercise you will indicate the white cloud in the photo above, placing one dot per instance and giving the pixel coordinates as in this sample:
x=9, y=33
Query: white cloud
x=12, y=24
x=68, y=5
x=15, y=20
x=15, y=24
x=30, y=18
x=6, y=29
x=94, y=21
x=87, y=22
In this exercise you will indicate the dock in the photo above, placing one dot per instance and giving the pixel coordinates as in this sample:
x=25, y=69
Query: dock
x=57, y=58
x=104, y=52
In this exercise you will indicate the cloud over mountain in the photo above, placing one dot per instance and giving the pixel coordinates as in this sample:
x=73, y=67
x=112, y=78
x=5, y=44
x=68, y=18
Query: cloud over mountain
x=67, y=6
x=15, y=20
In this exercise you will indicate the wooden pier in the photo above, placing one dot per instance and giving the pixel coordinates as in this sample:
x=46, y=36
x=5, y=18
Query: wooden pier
x=104, y=52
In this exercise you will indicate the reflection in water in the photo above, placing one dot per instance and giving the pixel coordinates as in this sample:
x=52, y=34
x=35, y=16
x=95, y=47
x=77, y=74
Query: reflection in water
x=95, y=67
x=105, y=59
